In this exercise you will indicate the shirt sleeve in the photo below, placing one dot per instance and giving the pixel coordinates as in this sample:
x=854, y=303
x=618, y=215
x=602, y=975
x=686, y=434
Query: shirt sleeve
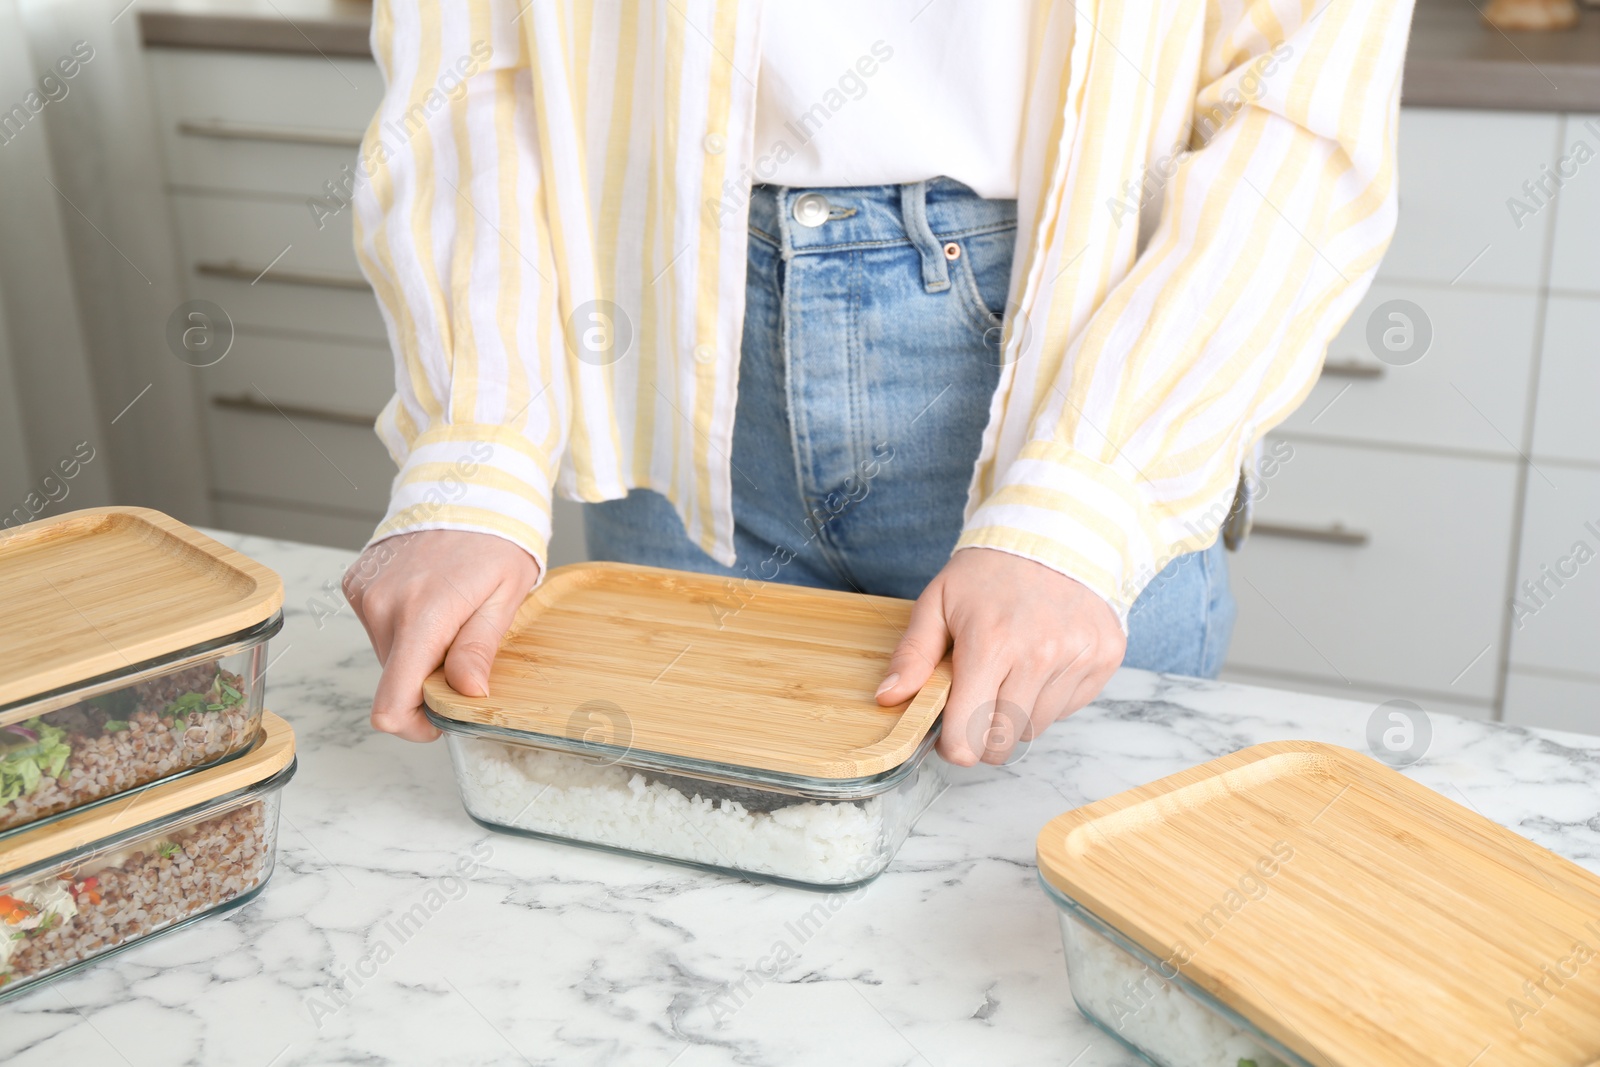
x=1272, y=225
x=450, y=230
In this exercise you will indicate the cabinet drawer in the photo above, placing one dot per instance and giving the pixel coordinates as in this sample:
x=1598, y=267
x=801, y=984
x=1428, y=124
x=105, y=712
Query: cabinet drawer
x=264, y=124
x=351, y=380
x=1552, y=703
x=1469, y=389
x=296, y=459
x=262, y=89
x=1575, y=259
x=292, y=523
x=1456, y=169
x=340, y=313
x=1407, y=590
x=1555, y=615
x=251, y=233
x=1565, y=425
x=315, y=287
x=269, y=160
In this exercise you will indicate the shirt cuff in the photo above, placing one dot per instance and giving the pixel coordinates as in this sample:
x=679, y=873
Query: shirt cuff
x=482, y=478
x=1075, y=515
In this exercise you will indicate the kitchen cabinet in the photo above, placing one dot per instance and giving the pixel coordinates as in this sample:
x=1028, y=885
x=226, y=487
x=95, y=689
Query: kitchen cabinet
x=260, y=123
x=1456, y=169
x=1378, y=568
x=1569, y=380
x=1552, y=702
x=247, y=141
x=250, y=142
x=1555, y=607
x=1481, y=456
x=1467, y=394
x=1575, y=261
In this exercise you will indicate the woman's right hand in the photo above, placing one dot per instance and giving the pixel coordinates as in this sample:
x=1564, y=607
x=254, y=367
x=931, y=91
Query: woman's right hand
x=431, y=597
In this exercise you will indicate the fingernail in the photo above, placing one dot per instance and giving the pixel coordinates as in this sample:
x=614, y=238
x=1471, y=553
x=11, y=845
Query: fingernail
x=887, y=684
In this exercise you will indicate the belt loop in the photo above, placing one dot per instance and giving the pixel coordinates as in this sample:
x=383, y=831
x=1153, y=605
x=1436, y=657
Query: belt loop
x=914, y=213
x=782, y=195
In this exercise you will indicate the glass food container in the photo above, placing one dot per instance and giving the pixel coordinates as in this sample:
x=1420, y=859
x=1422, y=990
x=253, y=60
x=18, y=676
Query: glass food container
x=135, y=653
x=677, y=716
x=97, y=881
x=1300, y=904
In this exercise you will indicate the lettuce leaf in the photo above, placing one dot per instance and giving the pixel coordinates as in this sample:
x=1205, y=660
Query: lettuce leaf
x=24, y=764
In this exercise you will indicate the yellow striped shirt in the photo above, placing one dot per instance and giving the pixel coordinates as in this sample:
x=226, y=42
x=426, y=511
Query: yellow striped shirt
x=537, y=161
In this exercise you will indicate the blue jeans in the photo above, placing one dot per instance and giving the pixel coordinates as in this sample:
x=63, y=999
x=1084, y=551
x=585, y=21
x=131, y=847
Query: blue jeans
x=869, y=360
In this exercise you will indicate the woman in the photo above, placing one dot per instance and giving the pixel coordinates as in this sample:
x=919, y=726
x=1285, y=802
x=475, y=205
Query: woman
x=857, y=295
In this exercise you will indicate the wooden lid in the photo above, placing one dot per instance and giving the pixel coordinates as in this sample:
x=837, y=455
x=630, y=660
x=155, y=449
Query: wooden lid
x=1357, y=917
x=97, y=591
x=751, y=674
x=271, y=752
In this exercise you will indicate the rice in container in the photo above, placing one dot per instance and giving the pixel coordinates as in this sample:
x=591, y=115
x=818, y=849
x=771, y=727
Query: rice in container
x=134, y=649
x=723, y=724
x=89, y=884
x=1302, y=904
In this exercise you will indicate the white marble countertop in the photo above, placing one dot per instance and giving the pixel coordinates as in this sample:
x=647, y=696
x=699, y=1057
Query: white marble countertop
x=552, y=954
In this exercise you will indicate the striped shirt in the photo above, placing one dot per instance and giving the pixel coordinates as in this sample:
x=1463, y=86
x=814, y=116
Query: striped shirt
x=554, y=222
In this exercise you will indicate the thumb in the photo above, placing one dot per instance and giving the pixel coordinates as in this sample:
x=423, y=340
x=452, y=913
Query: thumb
x=466, y=665
x=919, y=651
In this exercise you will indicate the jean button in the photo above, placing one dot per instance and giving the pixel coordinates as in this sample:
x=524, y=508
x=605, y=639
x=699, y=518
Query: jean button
x=811, y=209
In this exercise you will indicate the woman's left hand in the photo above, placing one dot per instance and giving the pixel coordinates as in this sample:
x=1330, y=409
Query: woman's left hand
x=1031, y=646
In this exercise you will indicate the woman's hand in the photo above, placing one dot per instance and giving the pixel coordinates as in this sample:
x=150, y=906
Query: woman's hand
x=1031, y=646
x=430, y=597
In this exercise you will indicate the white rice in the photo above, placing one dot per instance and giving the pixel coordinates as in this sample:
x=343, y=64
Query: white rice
x=822, y=843
x=1137, y=1004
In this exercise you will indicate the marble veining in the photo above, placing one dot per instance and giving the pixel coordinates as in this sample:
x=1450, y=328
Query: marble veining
x=395, y=930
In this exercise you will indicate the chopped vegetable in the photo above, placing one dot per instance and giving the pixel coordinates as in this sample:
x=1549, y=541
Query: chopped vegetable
x=24, y=762
x=86, y=891
x=14, y=911
x=119, y=740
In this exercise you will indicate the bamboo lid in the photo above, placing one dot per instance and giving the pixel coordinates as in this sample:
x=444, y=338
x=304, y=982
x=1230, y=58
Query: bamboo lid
x=97, y=591
x=271, y=752
x=752, y=674
x=1359, y=918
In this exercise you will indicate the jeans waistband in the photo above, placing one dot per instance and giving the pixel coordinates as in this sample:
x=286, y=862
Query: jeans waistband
x=876, y=214
x=925, y=214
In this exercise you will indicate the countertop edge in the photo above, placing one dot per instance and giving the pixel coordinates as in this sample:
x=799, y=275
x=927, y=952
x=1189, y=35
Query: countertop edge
x=1501, y=86
x=248, y=33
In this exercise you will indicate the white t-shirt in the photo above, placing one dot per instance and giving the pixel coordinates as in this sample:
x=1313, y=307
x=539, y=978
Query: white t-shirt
x=874, y=92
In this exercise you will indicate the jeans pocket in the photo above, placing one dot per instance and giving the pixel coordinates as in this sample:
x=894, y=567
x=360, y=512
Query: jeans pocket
x=981, y=277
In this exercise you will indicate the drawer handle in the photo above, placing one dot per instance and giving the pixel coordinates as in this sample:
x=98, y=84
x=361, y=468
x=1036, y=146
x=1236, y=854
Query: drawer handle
x=247, y=403
x=1334, y=534
x=239, y=272
x=234, y=131
x=1351, y=368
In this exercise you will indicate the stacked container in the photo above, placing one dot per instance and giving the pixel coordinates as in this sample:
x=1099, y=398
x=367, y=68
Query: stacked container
x=721, y=724
x=1298, y=903
x=103, y=878
x=131, y=711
